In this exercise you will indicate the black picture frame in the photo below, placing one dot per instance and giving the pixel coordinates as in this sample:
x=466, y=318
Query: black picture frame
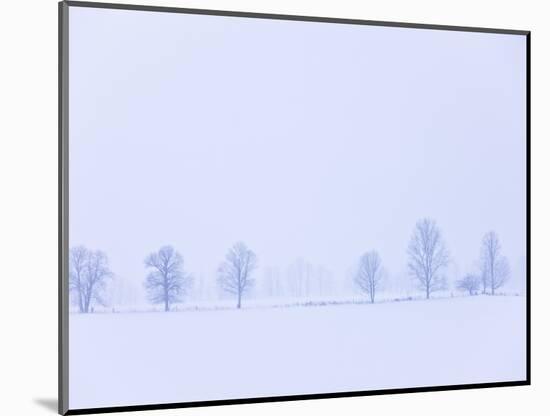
x=63, y=207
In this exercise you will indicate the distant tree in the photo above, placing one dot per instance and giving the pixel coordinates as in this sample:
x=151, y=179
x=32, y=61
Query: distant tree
x=88, y=274
x=167, y=282
x=300, y=277
x=428, y=256
x=369, y=273
x=271, y=281
x=234, y=274
x=495, y=268
x=469, y=283
x=324, y=277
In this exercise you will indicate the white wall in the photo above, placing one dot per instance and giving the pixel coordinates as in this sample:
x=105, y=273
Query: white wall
x=28, y=210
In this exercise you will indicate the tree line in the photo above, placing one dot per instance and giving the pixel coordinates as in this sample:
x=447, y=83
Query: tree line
x=428, y=258
x=167, y=282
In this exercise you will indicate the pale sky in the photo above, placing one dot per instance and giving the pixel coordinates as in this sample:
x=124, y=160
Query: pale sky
x=301, y=139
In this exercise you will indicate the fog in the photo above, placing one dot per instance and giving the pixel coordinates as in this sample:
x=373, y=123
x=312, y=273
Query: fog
x=309, y=142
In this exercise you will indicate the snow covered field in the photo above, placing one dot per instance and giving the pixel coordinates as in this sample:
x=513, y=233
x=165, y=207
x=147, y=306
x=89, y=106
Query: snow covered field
x=143, y=358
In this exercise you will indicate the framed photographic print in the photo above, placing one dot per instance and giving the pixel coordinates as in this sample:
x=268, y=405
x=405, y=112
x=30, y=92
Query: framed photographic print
x=260, y=207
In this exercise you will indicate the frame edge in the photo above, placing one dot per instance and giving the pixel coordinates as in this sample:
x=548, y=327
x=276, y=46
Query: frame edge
x=528, y=207
x=301, y=18
x=63, y=178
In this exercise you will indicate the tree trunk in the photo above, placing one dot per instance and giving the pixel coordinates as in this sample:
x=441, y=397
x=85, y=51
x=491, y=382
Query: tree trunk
x=87, y=303
x=239, y=300
x=80, y=301
x=427, y=292
x=166, y=306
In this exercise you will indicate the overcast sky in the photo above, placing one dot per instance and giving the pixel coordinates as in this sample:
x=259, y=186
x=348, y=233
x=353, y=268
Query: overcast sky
x=300, y=139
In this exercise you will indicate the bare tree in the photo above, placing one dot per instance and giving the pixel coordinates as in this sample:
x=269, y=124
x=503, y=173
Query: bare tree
x=494, y=265
x=428, y=256
x=369, y=273
x=166, y=282
x=88, y=274
x=78, y=256
x=469, y=283
x=234, y=274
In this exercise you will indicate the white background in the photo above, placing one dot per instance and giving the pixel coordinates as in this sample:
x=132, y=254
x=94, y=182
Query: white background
x=28, y=220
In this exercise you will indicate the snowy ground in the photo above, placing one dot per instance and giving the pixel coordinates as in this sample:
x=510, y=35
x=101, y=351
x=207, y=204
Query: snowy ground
x=143, y=358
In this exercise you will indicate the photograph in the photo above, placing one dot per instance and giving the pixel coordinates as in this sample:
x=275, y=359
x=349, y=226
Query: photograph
x=265, y=207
